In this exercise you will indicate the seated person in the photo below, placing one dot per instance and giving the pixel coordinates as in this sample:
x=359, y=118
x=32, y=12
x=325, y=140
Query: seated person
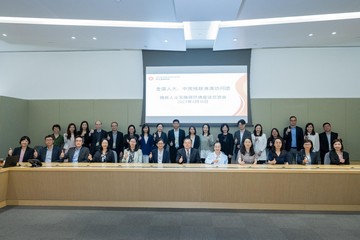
x=104, y=154
x=216, y=157
x=188, y=154
x=132, y=154
x=246, y=154
x=77, y=153
x=159, y=154
x=49, y=153
x=337, y=155
x=277, y=155
x=24, y=151
x=306, y=156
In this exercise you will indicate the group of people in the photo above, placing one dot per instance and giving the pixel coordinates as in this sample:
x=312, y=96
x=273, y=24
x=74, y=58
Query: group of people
x=244, y=147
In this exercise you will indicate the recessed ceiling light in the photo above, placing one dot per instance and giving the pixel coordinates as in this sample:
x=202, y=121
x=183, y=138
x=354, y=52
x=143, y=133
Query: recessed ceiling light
x=310, y=35
x=333, y=33
x=4, y=35
x=165, y=41
x=94, y=38
x=73, y=37
x=235, y=39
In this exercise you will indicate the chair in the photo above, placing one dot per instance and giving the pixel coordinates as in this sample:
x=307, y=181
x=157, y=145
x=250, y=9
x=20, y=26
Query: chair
x=115, y=156
x=327, y=159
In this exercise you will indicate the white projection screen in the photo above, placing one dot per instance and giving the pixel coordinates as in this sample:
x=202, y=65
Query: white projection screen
x=196, y=94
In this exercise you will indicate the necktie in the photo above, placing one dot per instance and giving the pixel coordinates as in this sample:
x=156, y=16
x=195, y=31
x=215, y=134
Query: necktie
x=188, y=156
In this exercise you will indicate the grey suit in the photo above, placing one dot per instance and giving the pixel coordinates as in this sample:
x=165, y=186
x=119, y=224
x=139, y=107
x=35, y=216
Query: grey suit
x=83, y=154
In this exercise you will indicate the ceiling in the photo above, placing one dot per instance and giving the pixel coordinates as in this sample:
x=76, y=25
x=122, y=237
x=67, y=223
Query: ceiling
x=200, y=13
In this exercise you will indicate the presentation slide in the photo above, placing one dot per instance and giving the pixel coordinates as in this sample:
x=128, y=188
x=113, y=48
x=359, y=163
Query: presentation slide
x=196, y=94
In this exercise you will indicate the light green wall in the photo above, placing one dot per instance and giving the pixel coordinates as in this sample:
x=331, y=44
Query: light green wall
x=35, y=117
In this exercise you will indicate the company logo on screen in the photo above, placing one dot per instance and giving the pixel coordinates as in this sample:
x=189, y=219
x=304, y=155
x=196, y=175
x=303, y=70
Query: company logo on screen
x=151, y=78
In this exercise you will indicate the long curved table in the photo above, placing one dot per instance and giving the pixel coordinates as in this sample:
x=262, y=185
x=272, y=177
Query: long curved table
x=292, y=187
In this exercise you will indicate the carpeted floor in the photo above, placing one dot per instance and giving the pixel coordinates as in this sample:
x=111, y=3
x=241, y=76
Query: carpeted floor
x=53, y=223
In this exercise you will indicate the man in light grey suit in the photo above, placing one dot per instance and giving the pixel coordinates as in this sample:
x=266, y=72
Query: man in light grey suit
x=77, y=153
x=240, y=135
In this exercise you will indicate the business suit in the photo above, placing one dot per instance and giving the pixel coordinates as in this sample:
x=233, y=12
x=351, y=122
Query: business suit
x=127, y=138
x=324, y=144
x=163, y=136
x=334, y=158
x=119, y=142
x=299, y=139
x=96, y=138
x=165, y=156
x=55, y=156
x=313, y=155
x=194, y=156
x=247, y=134
x=83, y=154
x=29, y=153
x=171, y=139
x=108, y=158
x=196, y=143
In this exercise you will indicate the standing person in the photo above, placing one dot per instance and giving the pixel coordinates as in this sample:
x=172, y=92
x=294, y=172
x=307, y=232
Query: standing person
x=217, y=157
x=337, y=155
x=176, y=137
x=104, y=155
x=226, y=140
x=116, y=140
x=326, y=138
x=313, y=136
x=159, y=134
x=240, y=135
x=146, y=141
x=195, y=139
x=294, y=139
x=84, y=131
x=306, y=155
x=277, y=155
x=159, y=154
x=246, y=153
x=273, y=135
x=79, y=153
x=131, y=133
x=69, y=137
x=24, y=151
x=206, y=142
x=132, y=154
x=58, y=138
x=187, y=154
x=49, y=153
x=96, y=136
x=259, y=141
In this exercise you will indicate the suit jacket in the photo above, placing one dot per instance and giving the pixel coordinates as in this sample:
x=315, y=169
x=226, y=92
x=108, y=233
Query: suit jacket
x=119, y=142
x=247, y=134
x=299, y=139
x=301, y=156
x=227, y=143
x=147, y=147
x=196, y=141
x=55, y=156
x=83, y=154
x=29, y=153
x=163, y=137
x=127, y=137
x=324, y=143
x=109, y=157
x=194, y=156
x=171, y=138
x=96, y=140
x=334, y=158
x=165, y=157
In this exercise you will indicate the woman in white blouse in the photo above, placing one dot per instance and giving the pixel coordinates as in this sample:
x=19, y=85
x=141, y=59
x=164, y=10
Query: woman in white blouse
x=132, y=154
x=310, y=134
x=69, y=137
x=259, y=140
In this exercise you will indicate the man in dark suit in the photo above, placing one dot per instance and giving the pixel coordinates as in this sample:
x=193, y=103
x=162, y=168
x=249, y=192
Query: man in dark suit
x=116, y=140
x=294, y=139
x=77, y=153
x=188, y=154
x=159, y=154
x=176, y=137
x=326, y=139
x=240, y=135
x=96, y=136
x=50, y=153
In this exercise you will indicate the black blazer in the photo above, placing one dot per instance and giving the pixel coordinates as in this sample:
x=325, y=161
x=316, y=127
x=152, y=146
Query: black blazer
x=334, y=158
x=119, y=142
x=109, y=157
x=83, y=154
x=247, y=134
x=227, y=143
x=127, y=137
x=171, y=138
x=86, y=139
x=55, y=157
x=96, y=140
x=163, y=137
x=299, y=139
x=301, y=156
x=29, y=153
x=324, y=143
x=196, y=141
x=165, y=157
x=194, y=156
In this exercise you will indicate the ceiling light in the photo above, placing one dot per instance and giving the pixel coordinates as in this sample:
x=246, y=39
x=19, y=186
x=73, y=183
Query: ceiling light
x=333, y=33
x=4, y=35
x=73, y=37
x=201, y=30
x=165, y=41
x=235, y=39
x=94, y=38
x=310, y=35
